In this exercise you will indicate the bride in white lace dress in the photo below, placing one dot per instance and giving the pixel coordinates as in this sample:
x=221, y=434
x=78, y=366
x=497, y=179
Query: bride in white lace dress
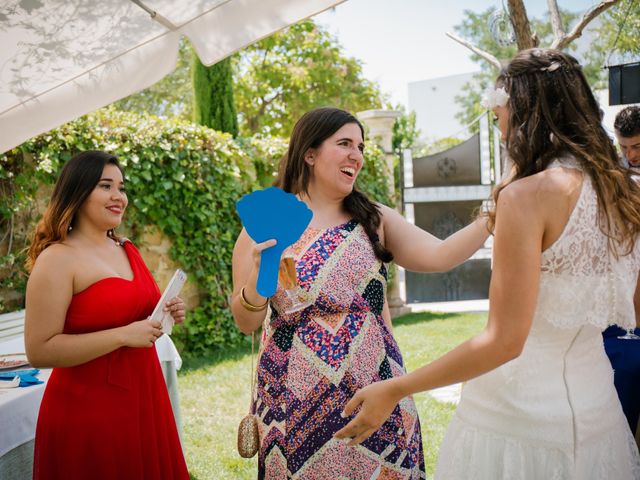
x=540, y=402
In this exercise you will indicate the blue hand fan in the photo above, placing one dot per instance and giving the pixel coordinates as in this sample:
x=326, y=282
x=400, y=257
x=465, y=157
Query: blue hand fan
x=272, y=213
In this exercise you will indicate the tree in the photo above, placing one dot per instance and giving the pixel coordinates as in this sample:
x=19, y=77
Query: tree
x=549, y=31
x=213, y=103
x=170, y=97
x=285, y=75
x=525, y=38
x=618, y=39
x=405, y=132
x=275, y=81
x=475, y=28
x=624, y=19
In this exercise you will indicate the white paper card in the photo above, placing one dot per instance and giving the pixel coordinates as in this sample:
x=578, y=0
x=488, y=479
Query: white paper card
x=173, y=289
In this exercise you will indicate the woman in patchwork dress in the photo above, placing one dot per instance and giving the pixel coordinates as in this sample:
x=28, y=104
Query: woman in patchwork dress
x=313, y=360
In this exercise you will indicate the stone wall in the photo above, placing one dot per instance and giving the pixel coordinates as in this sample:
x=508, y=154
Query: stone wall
x=14, y=238
x=154, y=247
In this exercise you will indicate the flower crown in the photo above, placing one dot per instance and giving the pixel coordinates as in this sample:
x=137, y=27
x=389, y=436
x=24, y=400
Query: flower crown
x=495, y=97
x=555, y=66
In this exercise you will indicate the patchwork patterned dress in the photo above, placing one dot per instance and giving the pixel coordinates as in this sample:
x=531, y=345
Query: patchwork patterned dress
x=314, y=360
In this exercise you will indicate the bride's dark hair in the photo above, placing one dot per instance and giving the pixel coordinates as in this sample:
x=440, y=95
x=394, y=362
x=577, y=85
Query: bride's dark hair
x=553, y=113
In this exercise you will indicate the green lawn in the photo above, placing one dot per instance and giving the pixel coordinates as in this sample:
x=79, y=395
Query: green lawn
x=214, y=395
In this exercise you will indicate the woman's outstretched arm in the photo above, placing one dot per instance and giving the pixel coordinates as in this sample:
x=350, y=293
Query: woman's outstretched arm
x=417, y=250
x=513, y=295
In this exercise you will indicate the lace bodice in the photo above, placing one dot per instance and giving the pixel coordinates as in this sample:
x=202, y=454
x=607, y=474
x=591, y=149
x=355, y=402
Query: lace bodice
x=582, y=282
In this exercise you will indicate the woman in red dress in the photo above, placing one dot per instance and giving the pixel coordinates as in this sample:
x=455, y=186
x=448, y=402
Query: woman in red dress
x=105, y=413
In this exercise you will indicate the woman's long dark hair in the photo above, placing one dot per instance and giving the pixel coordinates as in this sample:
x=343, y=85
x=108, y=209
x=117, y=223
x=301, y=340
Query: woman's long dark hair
x=552, y=113
x=78, y=178
x=310, y=131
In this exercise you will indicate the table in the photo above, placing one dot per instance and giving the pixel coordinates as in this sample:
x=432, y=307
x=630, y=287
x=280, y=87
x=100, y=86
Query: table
x=171, y=362
x=18, y=415
x=19, y=409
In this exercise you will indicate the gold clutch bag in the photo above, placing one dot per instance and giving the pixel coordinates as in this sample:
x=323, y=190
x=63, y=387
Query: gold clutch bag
x=248, y=438
x=248, y=435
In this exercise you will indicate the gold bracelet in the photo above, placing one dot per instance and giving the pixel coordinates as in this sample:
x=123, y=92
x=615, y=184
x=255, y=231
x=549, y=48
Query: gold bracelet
x=250, y=306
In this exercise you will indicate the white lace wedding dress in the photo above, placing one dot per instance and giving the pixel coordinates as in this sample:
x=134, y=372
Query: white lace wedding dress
x=553, y=412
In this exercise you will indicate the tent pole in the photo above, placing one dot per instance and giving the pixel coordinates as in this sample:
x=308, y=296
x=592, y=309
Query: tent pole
x=156, y=16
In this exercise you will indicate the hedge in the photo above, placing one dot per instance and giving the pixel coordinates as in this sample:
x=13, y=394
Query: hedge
x=181, y=177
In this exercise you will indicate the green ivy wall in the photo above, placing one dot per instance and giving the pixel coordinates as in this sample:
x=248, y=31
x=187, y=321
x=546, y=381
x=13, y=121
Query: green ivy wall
x=181, y=177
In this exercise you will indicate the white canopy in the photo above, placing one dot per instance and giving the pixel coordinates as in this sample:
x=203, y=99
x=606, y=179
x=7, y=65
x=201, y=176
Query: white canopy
x=61, y=59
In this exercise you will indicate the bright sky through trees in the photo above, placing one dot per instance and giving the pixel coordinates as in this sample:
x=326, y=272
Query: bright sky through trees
x=400, y=41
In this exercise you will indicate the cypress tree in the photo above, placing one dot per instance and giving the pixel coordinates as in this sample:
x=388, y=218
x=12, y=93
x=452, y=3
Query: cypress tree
x=213, y=104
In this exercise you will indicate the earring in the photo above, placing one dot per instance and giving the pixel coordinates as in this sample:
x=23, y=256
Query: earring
x=70, y=228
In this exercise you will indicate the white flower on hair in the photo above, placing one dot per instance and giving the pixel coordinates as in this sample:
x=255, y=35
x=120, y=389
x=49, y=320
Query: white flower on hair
x=495, y=97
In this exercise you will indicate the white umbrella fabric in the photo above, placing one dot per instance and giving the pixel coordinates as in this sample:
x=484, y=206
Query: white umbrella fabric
x=61, y=59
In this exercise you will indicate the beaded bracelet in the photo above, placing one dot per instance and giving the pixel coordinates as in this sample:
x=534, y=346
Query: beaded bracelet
x=250, y=306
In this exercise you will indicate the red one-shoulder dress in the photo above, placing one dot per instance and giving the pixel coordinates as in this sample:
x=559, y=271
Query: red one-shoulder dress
x=109, y=418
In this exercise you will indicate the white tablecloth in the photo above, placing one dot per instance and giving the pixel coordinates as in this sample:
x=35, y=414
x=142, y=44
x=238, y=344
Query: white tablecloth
x=19, y=413
x=19, y=406
x=171, y=362
x=15, y=345
x=167, y=351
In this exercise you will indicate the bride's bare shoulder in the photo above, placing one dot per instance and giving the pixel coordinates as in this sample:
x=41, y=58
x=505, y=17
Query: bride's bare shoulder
x=548, y=186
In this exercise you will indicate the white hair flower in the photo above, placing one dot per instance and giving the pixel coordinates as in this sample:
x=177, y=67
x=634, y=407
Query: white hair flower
x=495, y=97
